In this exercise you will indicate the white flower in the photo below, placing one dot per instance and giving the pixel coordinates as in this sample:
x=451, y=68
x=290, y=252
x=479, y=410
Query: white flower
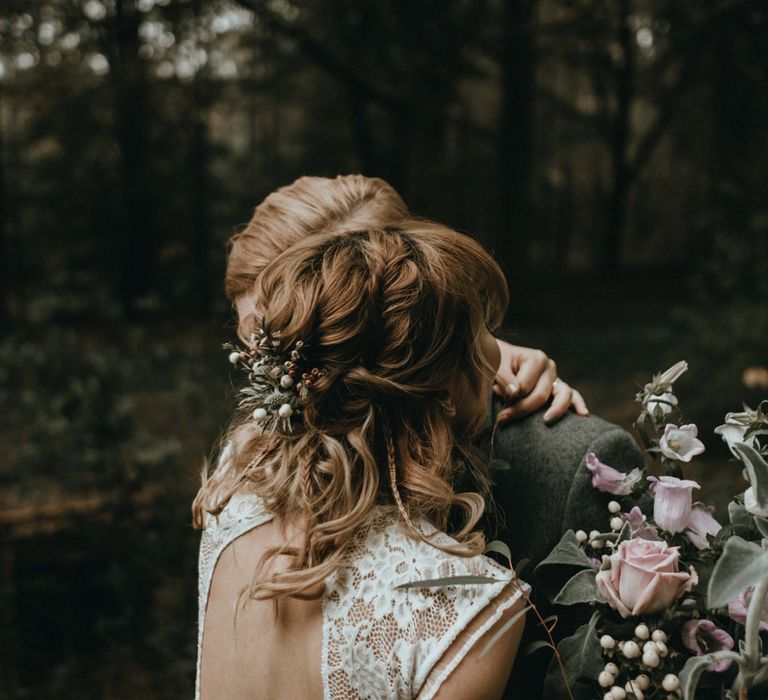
x=681, y=442
x=732, y=431
x=664, y=402
x=751, y=505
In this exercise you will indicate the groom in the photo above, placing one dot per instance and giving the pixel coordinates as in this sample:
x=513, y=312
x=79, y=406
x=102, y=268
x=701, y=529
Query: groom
x=546, y=491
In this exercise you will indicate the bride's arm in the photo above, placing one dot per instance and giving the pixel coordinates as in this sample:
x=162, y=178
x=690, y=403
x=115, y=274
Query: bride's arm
x=526, y=377
x=480, y=676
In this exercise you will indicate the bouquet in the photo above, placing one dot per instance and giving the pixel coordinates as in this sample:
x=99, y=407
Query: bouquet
x=678, y=600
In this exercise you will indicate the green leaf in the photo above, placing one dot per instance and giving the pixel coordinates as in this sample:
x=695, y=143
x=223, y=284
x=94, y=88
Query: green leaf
x=449, y=581
x=521, y=566
x=691, y=673
x=757, y=469
x=756, y=429
x=624, y=534
x=500, y=548
x=580, y=654
x=694, y=667
x=738, y=515
x=503, y=630
x=533, y=647
x=567, y=551
x=580, y=588
x=741, y=565
x=762, y=525
x=558, y=567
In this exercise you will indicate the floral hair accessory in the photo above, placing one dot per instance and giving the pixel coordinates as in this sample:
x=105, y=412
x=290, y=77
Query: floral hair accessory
x=273, y=395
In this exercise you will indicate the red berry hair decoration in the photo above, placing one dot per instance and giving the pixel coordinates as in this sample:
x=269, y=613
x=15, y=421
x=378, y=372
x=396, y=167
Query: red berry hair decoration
x=273, y=396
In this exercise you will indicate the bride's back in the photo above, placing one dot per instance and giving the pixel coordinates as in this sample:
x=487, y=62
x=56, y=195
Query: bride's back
x=260, y=649
x=358, y=634
x=369, y=361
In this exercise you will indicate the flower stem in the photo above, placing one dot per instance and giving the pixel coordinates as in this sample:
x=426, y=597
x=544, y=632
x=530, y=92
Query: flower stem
x=551, y=639
x=751, y=653
x=754, y=617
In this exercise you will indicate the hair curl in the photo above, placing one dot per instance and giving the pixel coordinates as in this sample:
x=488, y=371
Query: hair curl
x=393, y=313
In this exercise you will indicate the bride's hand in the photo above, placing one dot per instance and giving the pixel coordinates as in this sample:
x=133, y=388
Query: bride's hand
x=526, y=376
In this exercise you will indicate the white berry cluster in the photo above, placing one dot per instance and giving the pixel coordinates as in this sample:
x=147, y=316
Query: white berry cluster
x=638, y=657
x=597, y=540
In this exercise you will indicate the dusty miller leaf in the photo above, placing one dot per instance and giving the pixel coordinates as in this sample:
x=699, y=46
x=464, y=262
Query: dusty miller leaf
x=741, y=565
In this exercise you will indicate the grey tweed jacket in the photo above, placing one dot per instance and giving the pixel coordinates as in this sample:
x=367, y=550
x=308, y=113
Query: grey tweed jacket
x=546, y=491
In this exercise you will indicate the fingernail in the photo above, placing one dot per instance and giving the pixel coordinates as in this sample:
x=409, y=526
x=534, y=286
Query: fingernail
x=547, y=418
x=512, y=388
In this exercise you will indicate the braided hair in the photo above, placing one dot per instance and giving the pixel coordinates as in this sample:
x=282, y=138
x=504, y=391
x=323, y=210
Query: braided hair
x=393, y=315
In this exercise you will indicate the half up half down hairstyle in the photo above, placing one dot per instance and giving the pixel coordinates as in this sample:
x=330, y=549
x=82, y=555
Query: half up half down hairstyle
x=393, y=315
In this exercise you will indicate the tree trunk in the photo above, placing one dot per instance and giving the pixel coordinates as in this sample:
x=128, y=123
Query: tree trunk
x=6, y=284
x=136, y=245
x=200, y=201
x=610, y=255
x=362, y=132
x=511, y=242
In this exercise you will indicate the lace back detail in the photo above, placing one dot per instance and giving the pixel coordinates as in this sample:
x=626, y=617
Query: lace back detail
x=378, y=642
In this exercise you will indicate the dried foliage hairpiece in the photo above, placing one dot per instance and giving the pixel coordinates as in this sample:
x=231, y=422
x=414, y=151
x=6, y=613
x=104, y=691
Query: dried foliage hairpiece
x=276, y=385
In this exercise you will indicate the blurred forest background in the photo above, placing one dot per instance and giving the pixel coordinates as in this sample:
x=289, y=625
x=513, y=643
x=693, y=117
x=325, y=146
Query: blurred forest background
x=611, y=154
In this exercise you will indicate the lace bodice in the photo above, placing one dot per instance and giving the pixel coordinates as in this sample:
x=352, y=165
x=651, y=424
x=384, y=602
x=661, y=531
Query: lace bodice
x=378, y=642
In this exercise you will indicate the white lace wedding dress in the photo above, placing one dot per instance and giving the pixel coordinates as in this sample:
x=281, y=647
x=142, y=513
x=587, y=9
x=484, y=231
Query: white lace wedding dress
x=378, y=642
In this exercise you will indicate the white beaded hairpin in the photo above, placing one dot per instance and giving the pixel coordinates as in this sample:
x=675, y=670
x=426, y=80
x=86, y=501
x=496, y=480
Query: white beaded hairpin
x=273, y=393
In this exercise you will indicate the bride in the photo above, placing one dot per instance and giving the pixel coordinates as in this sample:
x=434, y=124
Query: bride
x=369, y=359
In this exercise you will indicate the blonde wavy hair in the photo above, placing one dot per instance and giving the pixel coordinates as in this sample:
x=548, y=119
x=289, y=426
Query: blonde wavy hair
x=393, y=307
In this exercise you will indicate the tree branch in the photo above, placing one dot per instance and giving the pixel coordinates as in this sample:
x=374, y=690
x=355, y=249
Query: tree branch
x=323, y=56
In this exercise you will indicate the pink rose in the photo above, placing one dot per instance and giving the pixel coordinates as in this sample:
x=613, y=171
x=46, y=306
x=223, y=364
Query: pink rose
x=610, y=480
x=644, y=577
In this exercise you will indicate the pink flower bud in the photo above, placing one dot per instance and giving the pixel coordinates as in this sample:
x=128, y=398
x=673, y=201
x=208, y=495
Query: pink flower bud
x=610, y=480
